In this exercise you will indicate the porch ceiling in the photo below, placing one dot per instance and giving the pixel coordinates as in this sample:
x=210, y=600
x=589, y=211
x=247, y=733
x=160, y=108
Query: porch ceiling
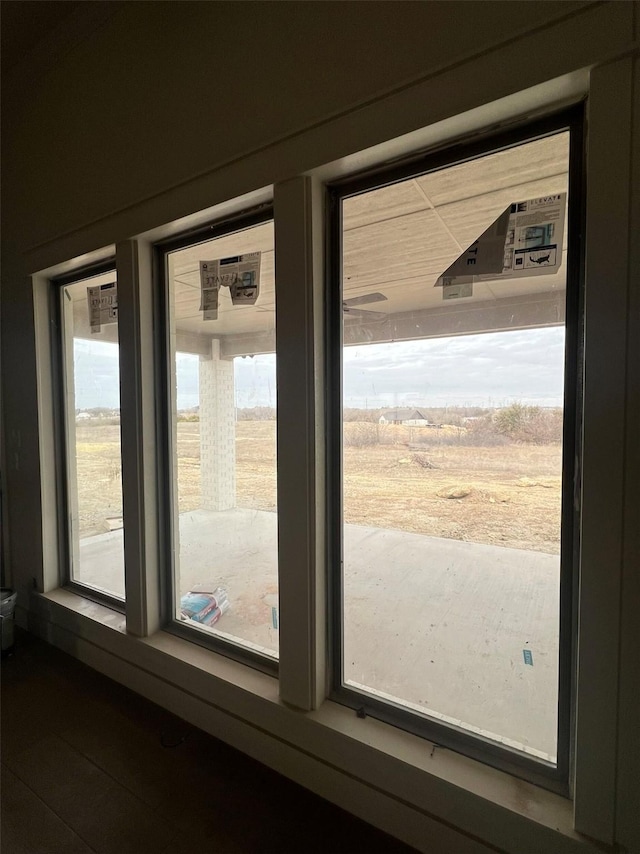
x=397, y=241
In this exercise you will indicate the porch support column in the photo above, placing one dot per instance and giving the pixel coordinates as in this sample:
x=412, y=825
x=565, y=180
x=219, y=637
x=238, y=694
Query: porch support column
x=217, y=431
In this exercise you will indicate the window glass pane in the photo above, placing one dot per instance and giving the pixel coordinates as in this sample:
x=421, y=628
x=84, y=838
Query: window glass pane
x=452, y=442
x=91, y=367
x=224, y=438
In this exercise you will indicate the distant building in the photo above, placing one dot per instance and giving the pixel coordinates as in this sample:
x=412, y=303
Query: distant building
x=411, y=417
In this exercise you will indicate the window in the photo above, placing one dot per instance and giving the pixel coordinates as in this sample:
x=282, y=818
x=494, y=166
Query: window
x=455, y=404
x=452, y=380
x=220, y=313
x=90, y=379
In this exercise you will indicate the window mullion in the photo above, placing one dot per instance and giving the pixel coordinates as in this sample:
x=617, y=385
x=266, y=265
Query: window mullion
x=298, y=248
x=138, y=437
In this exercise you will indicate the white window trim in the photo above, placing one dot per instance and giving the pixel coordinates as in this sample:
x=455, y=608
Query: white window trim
x=482, y=802
x=298, y=218
x=140, y=450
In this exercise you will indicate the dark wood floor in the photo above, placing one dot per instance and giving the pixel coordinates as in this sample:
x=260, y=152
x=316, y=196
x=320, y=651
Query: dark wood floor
x=88, y=765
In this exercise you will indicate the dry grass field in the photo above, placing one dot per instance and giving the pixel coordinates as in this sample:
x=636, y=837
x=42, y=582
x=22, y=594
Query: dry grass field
x=412, y=480
x=98, y=467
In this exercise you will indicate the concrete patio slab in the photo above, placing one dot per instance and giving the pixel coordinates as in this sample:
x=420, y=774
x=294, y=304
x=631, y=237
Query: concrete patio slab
x=463, y=631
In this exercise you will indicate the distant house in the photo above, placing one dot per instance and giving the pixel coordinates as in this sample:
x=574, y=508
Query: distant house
x=411, y=417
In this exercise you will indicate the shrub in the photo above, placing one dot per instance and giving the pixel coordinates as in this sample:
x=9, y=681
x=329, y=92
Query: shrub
x=530, y=424
x=360, y=434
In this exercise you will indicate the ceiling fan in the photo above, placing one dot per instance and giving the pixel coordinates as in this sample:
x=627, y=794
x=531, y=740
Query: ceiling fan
x=348, y=306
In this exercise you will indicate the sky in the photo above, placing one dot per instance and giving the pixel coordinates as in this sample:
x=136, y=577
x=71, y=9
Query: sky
x=489, y=370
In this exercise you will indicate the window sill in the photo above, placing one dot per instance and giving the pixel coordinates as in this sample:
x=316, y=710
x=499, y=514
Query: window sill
x=241, y=706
